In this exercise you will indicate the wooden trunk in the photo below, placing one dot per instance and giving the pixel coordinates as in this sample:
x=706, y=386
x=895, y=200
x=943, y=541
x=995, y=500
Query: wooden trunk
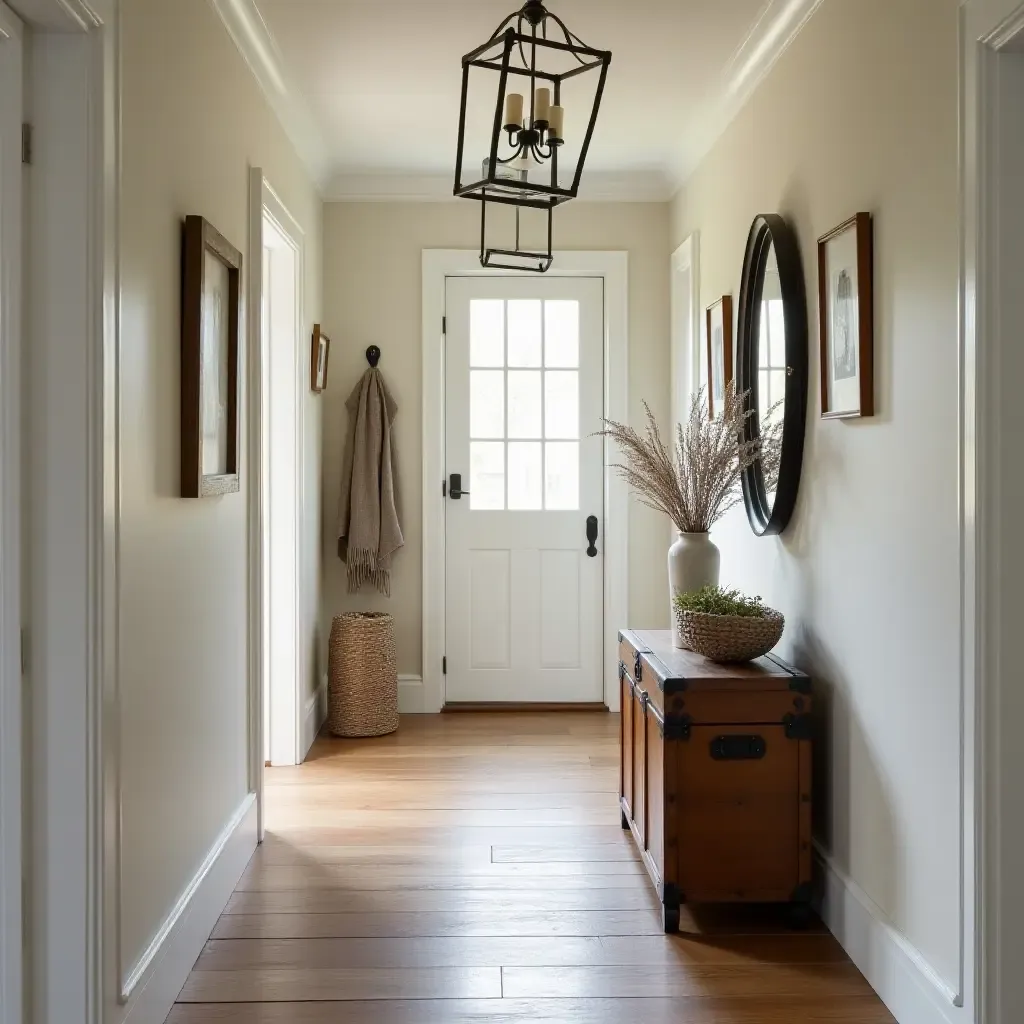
x=715, y=774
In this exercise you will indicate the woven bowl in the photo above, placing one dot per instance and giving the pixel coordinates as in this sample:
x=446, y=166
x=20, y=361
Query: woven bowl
x=730, y=638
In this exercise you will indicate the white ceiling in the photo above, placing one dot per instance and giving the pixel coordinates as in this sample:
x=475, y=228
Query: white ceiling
x=369, y=89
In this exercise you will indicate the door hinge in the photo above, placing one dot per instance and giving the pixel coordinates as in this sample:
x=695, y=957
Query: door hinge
x=26, y=143
x=444, y=665
x=24, y=651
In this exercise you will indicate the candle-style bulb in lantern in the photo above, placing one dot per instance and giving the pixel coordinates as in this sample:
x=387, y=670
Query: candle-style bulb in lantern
x=556, y=124
x=541, y=106
x=514, y=110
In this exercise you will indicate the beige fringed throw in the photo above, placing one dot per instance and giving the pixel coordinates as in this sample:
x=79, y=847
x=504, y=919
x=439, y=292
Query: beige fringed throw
x=369, y=530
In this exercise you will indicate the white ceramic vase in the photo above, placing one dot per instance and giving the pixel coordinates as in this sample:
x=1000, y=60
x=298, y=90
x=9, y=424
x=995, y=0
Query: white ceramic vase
x=693, y=562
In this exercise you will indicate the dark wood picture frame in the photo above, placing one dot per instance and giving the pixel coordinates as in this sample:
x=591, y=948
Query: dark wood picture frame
x=200, y=238
x=727, y=341
x=319, y=338
x=863, y=225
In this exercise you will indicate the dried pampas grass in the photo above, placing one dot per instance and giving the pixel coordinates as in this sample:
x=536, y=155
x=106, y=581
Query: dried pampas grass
x=698, y=482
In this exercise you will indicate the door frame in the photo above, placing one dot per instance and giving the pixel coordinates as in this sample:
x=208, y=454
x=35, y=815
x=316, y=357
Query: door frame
x=992, y=892
x=11, y=248
x=288, y=748
x=438, y=266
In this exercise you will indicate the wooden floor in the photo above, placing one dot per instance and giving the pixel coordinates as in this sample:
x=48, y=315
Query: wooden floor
x=471, y=868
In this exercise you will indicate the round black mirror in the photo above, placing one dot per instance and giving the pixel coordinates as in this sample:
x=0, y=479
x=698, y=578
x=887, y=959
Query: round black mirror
x=771, y=355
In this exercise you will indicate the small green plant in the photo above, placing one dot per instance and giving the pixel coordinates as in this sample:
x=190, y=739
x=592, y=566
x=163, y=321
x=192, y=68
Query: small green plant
x=719, y=601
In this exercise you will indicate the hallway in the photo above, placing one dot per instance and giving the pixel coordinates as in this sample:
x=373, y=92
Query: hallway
x=471, y=868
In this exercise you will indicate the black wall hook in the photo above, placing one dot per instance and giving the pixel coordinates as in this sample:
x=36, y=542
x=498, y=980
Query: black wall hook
x=373, y=355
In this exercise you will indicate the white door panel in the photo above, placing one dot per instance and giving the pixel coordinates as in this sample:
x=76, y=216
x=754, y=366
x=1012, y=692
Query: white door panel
x=524, y=397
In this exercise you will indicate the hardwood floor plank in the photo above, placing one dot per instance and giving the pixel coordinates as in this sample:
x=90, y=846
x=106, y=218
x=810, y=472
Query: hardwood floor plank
x=277, y=850
x=572, y=853
x=338, y=817
x=539, y=1011
x=366, y=878
x=273, y=985
x=369, y=797
x=496, y=901
x=452, y=835
x=758, y=981
x=567, y=951
x=467, y=923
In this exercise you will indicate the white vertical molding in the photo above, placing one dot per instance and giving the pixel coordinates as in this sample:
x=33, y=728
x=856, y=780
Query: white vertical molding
x=103, y=896
x=62, y=544
x=254, y=470
x=11, y=746
x=991, y=155
x=72, y=327
x=288, y=709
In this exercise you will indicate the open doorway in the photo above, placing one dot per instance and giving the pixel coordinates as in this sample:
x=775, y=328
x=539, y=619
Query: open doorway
x=277, y=379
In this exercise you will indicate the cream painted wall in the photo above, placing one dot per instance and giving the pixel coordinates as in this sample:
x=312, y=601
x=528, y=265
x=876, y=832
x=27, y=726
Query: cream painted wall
x=372, y=294
x=860, y=114
x=193, y=122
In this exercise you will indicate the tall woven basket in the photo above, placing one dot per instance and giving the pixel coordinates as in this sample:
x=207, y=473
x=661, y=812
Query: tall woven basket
x=363, y=670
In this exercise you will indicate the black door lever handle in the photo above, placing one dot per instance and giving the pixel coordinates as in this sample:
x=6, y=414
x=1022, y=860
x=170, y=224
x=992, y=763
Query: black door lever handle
x=592, y=536
x=455, y=486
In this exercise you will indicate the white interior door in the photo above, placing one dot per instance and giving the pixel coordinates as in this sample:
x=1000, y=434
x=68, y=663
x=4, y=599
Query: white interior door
x=281, y=453
x=524, y=386
x=11, y=208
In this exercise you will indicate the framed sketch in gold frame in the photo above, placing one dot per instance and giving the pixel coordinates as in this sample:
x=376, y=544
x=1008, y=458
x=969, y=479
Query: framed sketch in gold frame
x=319, y=357
x=847, y=319
x=210, y=315
x=719, y=344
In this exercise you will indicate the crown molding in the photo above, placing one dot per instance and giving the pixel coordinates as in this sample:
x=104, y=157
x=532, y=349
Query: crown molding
x=252, y=38
x=778, y=24
x=383, y=187
x=61, y=15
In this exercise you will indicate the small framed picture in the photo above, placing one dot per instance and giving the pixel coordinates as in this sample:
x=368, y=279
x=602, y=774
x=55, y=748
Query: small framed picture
x=847, y=319
x=719, y=342
x=318, y=359
x=211, y=297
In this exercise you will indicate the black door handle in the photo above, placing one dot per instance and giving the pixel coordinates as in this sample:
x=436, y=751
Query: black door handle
x=455, y=486
x=592, y=536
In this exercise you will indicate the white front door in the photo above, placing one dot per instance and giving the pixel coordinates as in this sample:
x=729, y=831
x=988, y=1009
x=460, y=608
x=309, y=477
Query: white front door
x=524, y=393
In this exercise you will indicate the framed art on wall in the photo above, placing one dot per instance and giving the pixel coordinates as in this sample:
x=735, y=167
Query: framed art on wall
x=211, y=297
x=719, y=344
x=318, y=359
x=846, y=316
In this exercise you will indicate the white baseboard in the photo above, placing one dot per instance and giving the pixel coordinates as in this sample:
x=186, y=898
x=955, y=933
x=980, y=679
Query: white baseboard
x=314, y=717
x=151, y=988
x=907, y=984
x=411, y=696
x=411, y=699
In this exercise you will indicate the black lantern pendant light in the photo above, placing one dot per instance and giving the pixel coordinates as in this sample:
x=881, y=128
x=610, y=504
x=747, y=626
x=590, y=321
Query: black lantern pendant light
x=522, y=91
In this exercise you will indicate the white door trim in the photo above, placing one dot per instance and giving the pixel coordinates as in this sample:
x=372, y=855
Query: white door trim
x=991, y=550
x=287, y=746
x=11, y=284
x=72, y=319
x=439, y=264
